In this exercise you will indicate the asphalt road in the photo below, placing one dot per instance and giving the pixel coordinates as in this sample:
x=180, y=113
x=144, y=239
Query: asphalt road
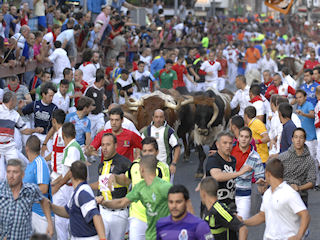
x=185, y=175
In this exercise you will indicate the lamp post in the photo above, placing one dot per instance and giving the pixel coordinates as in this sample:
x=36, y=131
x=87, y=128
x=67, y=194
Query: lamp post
x=213, y=8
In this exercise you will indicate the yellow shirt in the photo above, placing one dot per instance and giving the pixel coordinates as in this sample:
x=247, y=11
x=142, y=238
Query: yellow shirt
x=258, y=129
x=137, y=210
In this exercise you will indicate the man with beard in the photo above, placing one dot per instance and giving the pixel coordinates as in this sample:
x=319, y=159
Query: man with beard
x=181, y=224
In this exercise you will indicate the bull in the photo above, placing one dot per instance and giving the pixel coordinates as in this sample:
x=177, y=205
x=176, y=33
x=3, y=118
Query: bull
x=205, y=115
x=147, y=104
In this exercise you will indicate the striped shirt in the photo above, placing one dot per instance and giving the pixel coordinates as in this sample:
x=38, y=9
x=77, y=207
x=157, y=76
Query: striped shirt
x=81, y=209
x=9, y=119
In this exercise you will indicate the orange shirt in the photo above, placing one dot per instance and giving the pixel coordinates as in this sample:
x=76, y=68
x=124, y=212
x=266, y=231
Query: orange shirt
x=252, y=55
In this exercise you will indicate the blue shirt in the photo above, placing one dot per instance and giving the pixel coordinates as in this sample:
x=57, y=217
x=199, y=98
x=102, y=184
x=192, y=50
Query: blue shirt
x=311, y=92
x=92, y=37
x=15, y=214
x=37, y=172
x=286, y=136
x=118, y=4
x=157, y=64
x=95, y=5
x=81, y=209
x=82, y=126
x=307, y=123
x=190, y=227
x=8, y=18
x=42, y=114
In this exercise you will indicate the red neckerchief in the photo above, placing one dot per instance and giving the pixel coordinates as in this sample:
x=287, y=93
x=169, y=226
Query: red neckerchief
x=54, y=37
x=86, y=63
x=16, y=88
x=35, y=79
x=268, y=83
x=256, y=99
x=212, y=62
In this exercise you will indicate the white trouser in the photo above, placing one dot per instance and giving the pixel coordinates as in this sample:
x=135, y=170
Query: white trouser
x=201, y=87
x=212, y=84
x=115, y=222
x=312, y=145
x=97, y=123
x=42, y=137
x=318, y=145
x=232, y=73
x=189, y=85
x=7, y=151
x=39, y=223
x=61, y=198
x=251, y=66
x=21, y=139
x=243, y=206
x=221, y=83
x=137, y=229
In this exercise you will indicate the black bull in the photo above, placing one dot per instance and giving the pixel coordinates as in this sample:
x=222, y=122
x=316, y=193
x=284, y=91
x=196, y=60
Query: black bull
x=207, y=114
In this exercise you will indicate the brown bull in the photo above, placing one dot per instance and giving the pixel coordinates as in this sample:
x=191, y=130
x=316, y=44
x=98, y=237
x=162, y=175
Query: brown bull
x=145, y=107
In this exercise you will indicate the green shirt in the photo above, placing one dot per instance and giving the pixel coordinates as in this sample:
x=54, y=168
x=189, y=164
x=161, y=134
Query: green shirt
x=205, y=42
x=166, y=78
x=155, y=199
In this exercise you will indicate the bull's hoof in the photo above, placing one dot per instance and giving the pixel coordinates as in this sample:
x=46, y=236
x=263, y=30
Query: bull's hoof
x=198, y=175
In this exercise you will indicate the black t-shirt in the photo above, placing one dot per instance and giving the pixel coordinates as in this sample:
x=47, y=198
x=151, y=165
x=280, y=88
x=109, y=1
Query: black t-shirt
x=222, y=217
x=226, y=189
x=97, y=95
x=118, y=164
x=189, y=61
x=197, y=65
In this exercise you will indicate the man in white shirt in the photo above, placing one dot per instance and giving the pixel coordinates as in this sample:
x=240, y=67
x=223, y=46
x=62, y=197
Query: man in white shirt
x=231, y=54
x=282, y=209
x=127, y=124
x=87, y=67
x=67, y=38
x=257, y=101
x=71, y=153
x=96, y=59
x=211, y=68
x=267, y=63
x=287, y=79
x=60, y=61
x=60, y=98
x=146, y=57
x=241, y=97
x=49, y=37
x=169, y=148
x=21, y=38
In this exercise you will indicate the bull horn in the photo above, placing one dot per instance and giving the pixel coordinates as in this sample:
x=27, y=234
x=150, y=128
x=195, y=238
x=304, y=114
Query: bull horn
x=171, y=105
x=132, y=104
x=214, y=116
x=187, y=101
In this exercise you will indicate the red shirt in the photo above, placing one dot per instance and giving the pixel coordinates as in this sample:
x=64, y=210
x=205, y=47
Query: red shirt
x=108, y=71
x=126, y=142
x=82, y=90
x=240, y=156
x=310, y=64
x=224, y=65
x=180, y=70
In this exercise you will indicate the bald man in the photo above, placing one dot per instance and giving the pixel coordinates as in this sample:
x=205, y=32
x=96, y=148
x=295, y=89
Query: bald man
x=167, y=139
x=127, y=124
